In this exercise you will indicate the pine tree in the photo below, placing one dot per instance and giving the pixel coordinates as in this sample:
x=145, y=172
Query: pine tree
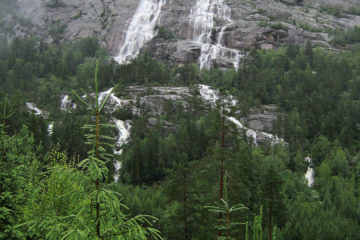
x=74, y=201
x=228, y=226
x=272, y=196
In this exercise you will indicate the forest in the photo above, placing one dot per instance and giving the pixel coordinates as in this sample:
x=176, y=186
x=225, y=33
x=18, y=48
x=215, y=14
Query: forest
x=202, y=179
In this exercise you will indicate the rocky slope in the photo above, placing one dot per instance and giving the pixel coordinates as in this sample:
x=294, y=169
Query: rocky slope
x=201, y=31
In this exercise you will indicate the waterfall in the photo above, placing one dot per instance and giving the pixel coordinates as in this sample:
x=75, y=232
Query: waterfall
x=32, y=107
x=310, y=174
x=66, y=103
x=202, y=23
x=123, y=128
x=50, y=129
x=212, y=96
x=141, y=29
x=113, y=100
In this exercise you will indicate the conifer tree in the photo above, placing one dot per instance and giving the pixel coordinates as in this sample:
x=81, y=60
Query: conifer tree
x=272, y=196
x=75, y=201
x=228, y=226
x=110, y=217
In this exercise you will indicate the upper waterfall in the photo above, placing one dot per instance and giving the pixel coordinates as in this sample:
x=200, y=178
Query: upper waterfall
x=202, y=21
x=141, y=29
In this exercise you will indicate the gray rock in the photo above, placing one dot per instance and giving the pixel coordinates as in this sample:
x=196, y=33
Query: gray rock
x=108, y=20
x=262, y=119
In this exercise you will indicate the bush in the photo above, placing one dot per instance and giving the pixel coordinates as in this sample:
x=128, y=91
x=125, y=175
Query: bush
x=165, y=33
x=309, y=28
x=353, y=11
x=279, y=26
x=337, y=12
x=55, y=4
x=350, y=37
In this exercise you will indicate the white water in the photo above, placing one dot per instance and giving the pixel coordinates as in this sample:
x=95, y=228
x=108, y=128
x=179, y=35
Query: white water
x=249, y=132
x=141, y=29
x=50, y=128
x=66, y=102
x=202, y=21
x=208, y=94
x=310, y=174
x=117, y=102
x=211, y=96
x=32, y=107
x=123, y=128
x=117, y=166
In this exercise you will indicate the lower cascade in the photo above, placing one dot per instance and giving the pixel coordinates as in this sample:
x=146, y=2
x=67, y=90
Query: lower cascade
x=309, y=175
x=123, y=128
x=211, y=96
x=141, y=29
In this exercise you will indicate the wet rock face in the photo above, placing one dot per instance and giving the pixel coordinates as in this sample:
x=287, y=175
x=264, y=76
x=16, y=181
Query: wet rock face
x=158, y=100
x=265, y=24
x=74, y=19
x=262, y=118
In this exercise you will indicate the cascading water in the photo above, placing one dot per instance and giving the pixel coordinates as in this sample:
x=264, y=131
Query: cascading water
x=211, y=96
x=113, y=100
x=141, y=29
x=310, y=174
x=202, y=22
x=64, y=102
x=32, y=107
x=123, y=128
x=50, y=128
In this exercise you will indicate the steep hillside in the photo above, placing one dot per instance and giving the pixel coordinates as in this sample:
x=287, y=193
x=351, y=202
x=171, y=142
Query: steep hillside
x=190, y=31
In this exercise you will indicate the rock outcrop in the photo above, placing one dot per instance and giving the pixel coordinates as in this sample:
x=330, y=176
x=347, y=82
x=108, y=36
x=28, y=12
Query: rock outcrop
x=265, y=24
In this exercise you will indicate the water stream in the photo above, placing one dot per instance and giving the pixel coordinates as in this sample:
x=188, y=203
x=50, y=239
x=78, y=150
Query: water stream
x=33, y=108
x=310, y=173
x=211, y=96
x=141, y=29
x=203, y=18
x=123, y=128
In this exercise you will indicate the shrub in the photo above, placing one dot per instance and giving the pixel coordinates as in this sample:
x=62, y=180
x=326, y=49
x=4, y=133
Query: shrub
x=55, y=4
x=279, y=26
x=165, y=33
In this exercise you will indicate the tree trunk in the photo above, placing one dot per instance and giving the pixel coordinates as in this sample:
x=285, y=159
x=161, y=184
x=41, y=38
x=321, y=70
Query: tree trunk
x=97, y=180
x=270, y=217
x=221, y=188
x=185, y=207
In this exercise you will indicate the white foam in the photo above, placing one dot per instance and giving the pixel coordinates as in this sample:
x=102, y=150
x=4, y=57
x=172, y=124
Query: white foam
x=66, y=103
x=123, y=128
x=113, y=100
x=33, y=108
x=310, y=173
x=211, y=96
x=141, y=29
x=50, y=128
x=202, y=22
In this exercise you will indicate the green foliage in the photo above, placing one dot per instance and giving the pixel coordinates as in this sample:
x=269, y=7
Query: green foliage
x=335, y=11
x=47, y=194
x=350, y=36
x=309, y=28
x=65, y=203
x=165, y=33
x=227, y=226
x=257, y=226
x=263, y=24
x=55, y=4
x=353, y=11
x=18, y=156
x=279, y=26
